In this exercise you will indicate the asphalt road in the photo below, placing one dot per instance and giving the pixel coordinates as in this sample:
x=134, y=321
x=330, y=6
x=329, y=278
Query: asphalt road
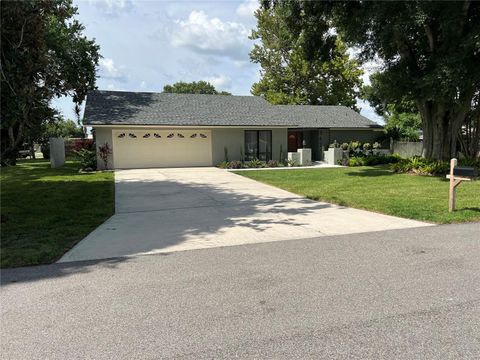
x=402, y=294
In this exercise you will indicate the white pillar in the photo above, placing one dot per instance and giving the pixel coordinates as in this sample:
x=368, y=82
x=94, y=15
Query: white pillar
x=57, y=152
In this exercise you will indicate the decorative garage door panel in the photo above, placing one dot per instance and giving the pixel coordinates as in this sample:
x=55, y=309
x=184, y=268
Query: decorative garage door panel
x=161, y=148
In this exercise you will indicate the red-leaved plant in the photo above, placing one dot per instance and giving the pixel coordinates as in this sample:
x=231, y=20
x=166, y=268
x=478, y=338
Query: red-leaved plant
x=104, y=152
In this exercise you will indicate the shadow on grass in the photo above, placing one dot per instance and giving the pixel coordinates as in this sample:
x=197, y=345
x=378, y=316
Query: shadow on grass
x=47, y=211
x=371, y=172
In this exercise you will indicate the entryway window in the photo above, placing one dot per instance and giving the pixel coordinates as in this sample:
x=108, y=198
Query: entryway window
x=258, y=144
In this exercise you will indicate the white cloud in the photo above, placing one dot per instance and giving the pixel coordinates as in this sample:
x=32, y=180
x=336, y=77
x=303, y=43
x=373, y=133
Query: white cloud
x=212, y=36
x=108, y=70
x=247, y=8
x=112, y=7
x=221, y=82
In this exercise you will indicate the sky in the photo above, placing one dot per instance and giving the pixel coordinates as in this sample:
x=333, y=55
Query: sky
x=148, y=44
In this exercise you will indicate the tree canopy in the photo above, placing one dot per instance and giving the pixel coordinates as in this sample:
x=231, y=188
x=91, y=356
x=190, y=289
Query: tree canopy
x=288, y=76
x=430, y=53
x=195, y=87
x=44, y=55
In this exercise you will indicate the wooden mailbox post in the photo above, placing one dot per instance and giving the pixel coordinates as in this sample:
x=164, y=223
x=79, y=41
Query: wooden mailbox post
x=456, y=176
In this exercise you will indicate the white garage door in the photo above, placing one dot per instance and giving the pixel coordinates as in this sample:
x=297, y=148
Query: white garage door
x=161, y=148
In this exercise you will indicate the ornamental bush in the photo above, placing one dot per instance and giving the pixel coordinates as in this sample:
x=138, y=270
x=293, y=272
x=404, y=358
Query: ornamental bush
x=87, y=159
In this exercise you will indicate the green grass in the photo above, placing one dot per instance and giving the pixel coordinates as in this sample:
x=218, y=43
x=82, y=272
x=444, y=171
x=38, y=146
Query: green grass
x=46, y=211
x=380, y=190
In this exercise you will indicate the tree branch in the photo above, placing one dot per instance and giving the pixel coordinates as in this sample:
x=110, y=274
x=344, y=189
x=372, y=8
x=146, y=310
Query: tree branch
x=21, y=35
x=429, y=33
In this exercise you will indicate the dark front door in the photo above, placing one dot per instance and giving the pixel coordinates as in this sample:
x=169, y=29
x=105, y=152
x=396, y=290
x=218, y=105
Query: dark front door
x=294, y=140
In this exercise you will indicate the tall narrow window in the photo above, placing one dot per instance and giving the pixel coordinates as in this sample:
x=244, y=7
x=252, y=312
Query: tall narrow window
x=258, y=145
x=265, y=145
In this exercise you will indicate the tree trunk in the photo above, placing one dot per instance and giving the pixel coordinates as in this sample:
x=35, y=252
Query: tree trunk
x=441, y=127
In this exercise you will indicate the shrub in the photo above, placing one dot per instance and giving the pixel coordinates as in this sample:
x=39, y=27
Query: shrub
x=377, y=145
x=355, y=145
x=45, y=149
x=223, y=165
x=272, y=163
x=345, y=146
x=225, y=154
x=104, y=152
x=281, y=153
x=234, y=164
x=421, y=166
x=291, y=162
x=371, y=160
x=367, y=146
x=335, y=144
x=255, y=163
x=87, y=159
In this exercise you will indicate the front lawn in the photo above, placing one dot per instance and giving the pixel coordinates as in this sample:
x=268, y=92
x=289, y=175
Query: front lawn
x=44, y=211
x=379, y=189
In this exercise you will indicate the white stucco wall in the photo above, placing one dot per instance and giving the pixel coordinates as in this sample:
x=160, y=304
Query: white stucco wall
x=232, y=138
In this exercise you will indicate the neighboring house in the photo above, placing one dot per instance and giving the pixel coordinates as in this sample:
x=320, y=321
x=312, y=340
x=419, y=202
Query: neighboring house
x=174, y=130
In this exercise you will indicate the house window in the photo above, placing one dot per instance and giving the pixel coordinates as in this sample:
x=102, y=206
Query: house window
x=258, y=145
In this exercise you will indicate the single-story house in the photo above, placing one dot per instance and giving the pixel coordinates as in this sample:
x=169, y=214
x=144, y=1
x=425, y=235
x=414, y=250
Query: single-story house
x=148, y=130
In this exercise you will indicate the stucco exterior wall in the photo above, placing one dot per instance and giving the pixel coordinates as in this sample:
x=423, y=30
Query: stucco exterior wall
x=363, y=136
x=234, y=141
x=104, y=135
x=231, y=138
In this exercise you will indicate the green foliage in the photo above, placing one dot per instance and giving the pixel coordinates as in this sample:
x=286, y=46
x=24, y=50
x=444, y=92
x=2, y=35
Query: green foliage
x=225, y=154
x=45, y=149
x=58, y=128
x=87, y=159
x=355, y=145
x=44, y=55
x=292, y=163
x=282, y=158
x=195, y=87
x=423, y=166
x=380, y=190
x=46, y=211
x=402, y=125
x=370, y=160
x=255, y=163
x=62, y=128
x=345, y=146
x=334, y=145
x=429, y=52
x=367, y=146
x=288, y=77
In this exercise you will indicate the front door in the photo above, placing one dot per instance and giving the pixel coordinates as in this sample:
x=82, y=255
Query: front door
x=294, y=140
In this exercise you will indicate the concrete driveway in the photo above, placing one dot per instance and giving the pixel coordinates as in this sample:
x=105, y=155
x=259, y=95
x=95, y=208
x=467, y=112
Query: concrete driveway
x=166, y=210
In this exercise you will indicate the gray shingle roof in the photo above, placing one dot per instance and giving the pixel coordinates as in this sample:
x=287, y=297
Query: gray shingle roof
x=142, y=108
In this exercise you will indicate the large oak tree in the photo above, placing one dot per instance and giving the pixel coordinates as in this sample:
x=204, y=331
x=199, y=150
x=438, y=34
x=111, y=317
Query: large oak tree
x=288, y=76
x=430, y=51
x=44, y=55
